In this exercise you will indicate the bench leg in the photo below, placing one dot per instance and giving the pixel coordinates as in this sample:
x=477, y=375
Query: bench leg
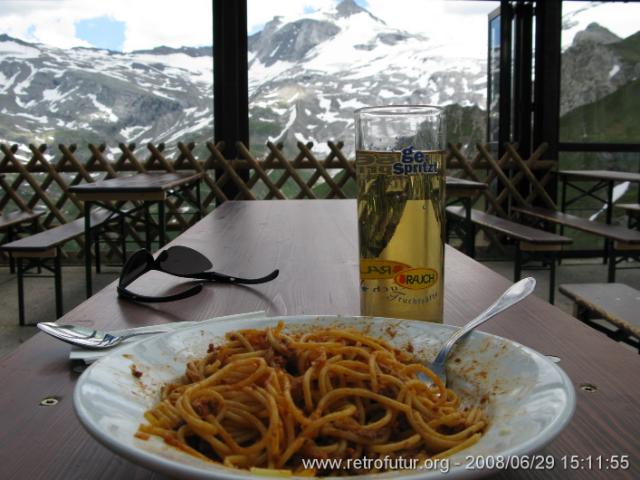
x=447, y=231
x=472, y=240
x=147, y=226
x=123, y=239
x=552, y=278
x=57, y=276
x=20, y=291
x=609, y=217
x=97, y=248
x=198, y=201
x=612, y=266
x=517, y=264
x=562, y=209
x=162, y=227
x=87, y=248
x=12, y=262
x=35, y=228
x=466, y=203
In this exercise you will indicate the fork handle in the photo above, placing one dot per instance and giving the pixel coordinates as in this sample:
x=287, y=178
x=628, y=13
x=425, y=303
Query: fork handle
x=517, y=292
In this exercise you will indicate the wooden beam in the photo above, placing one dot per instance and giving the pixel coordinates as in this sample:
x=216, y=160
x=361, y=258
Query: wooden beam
x=230, y=83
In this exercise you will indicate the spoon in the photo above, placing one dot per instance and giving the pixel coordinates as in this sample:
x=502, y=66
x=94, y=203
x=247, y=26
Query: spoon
x=88, y=337
x=516, y=292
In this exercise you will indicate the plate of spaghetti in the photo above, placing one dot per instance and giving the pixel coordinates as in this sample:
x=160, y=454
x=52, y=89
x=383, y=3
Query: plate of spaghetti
x=303, y=396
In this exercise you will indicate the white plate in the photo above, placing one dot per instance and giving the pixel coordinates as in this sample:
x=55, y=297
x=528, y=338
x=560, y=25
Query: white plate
x=528, y=399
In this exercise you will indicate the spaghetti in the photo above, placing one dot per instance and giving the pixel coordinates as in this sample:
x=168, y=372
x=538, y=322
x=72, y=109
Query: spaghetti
x=267, y=399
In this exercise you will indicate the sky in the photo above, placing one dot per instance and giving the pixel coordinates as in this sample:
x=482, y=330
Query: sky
x=126, y=25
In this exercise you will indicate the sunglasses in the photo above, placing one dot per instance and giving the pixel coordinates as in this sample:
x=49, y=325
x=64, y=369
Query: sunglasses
x=181, y=262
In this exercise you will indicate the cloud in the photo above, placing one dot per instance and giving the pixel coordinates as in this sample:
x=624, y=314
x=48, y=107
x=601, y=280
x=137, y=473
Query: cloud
x=461, y=25
x=620, y=18
x=176, y=23
x=149, y=23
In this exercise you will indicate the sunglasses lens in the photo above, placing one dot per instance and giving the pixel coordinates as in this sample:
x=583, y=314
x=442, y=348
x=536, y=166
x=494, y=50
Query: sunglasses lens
x=181, y=260
x=138, y=264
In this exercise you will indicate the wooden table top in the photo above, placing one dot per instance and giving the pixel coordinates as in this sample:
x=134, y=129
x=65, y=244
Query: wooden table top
x=607, y=175
x=462, y=183
x=137, y=183
x=314, y=244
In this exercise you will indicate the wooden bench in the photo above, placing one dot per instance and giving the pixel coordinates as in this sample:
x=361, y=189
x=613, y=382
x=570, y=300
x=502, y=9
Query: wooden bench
x=616, y=304
x=633, y=213
x=44, y=246
x=621, y=242
x=13, y=222
x=9, y=220
x=537, y=244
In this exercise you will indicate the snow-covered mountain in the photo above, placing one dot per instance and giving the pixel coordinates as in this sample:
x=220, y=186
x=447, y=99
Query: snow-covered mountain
x=81, y=95
x=307, y=76
x=316, y=70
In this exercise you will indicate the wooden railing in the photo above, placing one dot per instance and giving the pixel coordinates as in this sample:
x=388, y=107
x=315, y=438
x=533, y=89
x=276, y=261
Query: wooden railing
x=40, y=178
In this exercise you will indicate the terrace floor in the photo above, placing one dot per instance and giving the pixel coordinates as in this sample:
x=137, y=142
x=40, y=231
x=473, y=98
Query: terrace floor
x=41, y=306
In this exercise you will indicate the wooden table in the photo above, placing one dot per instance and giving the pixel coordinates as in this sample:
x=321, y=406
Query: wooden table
x=460, y=187
x=314, y=244
x=147, y=188
x=601, y=180
x=604, y=179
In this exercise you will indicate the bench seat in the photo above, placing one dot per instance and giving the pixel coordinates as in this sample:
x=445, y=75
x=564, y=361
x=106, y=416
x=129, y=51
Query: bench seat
x=633, y=212
x=630, y=207
x=8, y=220
x=43, y=246
x=615, y=303
x=46, y=241
x=13, y=223
x=514, y=230
x=528, y=239
x=612, y=232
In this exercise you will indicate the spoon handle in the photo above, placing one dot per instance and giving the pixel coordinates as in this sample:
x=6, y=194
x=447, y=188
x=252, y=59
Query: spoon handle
x=135, y=334
x=513, y=295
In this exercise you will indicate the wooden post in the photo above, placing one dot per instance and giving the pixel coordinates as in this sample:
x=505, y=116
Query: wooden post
x=230, y=83
x=546, y=113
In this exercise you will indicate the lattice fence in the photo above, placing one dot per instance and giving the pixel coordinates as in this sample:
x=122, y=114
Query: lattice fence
x=38, y=178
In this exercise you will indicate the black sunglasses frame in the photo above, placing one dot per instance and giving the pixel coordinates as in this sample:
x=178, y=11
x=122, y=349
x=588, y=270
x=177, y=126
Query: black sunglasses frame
x=151, y=263
x=146, y=257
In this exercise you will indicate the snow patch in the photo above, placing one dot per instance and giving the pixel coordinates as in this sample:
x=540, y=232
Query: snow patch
x=131, y=133
x=292, y=118
x=43, y=119
x=614, y=71
x=17, y=50
x=6, y=83
x=104, y=112
x=20, y=88
x=384, y=93
x=351, y=103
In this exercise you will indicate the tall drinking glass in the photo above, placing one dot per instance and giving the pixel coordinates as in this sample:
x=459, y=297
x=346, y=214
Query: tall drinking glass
x=401, y=188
